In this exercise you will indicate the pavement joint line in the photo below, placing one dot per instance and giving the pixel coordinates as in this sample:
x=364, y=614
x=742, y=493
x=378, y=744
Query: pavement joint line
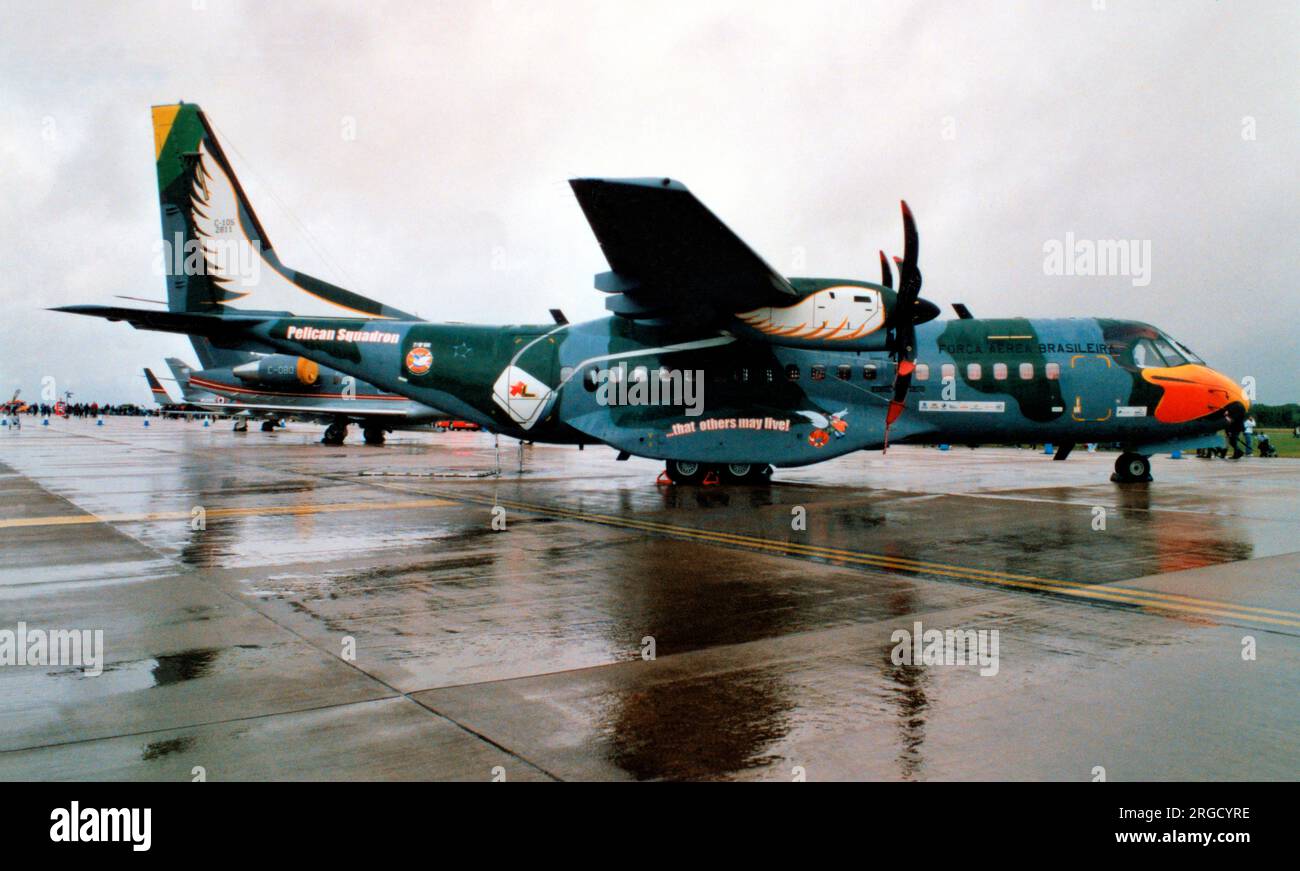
x=1145, y=599
x=197, y=725
x=269, y=510
x=1113, y=594
x=250, y=606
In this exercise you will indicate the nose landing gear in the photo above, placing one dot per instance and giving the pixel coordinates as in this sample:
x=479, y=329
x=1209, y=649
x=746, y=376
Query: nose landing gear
x=1132, y=468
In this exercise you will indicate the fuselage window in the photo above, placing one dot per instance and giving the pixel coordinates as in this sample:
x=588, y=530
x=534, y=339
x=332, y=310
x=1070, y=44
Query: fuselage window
x=1052, y=371
x=819, y=372
x=792, y=372
x=948, y=370
x=770, y=376
x=844, y=372
x=869, y=372
x=999, y=371
x=922, y=372
x=1026, y=371
x=974, y=371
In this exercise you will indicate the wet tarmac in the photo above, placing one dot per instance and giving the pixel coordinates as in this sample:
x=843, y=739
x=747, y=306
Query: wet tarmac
x=275, y=608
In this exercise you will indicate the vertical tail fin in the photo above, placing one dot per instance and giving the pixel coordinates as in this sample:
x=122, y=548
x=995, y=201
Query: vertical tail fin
x=160, y=394
x=181, y=372
x=215, y=251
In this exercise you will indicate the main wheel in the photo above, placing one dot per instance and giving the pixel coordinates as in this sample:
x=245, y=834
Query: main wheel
x=737, y=473
x=746, y=473
x=268, y=426
x=373, y=435
x=240, y=426
x=685, y=472
x=1132, y=467
x=334, y=434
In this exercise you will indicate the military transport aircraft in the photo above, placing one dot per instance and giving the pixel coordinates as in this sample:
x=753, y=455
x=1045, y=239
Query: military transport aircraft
x=169, y=407
x=710, y=359
x=280, y=386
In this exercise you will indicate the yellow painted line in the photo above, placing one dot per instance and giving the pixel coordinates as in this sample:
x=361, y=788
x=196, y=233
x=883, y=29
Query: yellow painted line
x=1146, y=599
x=267, y=510
x=921, y=565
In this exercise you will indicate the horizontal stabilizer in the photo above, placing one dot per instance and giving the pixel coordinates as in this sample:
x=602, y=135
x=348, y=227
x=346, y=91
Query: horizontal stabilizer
x=167, y=321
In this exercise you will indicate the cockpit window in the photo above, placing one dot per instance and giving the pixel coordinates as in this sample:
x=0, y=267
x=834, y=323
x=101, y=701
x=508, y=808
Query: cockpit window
x=1186, y=352
x=1172, y=357
x=1145, y=355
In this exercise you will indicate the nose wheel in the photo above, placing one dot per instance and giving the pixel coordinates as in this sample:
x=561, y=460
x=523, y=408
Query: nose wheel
x=1132, y=468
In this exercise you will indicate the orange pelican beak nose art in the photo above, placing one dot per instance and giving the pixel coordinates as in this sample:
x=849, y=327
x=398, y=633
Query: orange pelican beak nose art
x=1192, y=392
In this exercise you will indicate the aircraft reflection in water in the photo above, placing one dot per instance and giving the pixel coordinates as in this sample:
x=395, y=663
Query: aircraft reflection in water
x=798, y=370
x=755, y=723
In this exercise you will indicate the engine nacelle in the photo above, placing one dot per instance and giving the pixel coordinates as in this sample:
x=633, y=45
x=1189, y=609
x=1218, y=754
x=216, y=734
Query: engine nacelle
x=834, y=314
x=279, y=370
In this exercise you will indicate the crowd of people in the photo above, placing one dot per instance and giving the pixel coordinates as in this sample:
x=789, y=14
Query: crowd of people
x=14, y=410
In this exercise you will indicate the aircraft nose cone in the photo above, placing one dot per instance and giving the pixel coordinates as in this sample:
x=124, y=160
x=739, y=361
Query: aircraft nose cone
x=1192, y=391
x=1222, y=389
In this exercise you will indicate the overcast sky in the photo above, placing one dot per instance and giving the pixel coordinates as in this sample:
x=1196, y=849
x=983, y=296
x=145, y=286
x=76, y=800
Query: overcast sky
x=1004, y=125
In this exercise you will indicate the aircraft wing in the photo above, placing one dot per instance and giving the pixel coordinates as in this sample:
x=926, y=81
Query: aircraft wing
x=670, y=256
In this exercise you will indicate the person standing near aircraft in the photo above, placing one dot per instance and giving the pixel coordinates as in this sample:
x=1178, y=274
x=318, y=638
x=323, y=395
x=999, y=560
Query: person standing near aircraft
x=1249, y=429
x=13, y=409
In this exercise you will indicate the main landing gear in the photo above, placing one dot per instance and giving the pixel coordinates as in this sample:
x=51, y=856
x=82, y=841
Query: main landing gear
x=688, y=472
x=335, y=433
x=374, y=435
x=1132, y=468
x=241, y=425
x=269, y=425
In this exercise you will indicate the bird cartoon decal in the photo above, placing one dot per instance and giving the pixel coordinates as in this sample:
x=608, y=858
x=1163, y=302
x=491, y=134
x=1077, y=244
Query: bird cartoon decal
x=824, y=426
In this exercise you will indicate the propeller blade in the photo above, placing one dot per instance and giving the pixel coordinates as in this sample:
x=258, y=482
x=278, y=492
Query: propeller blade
x=886, y=274
x=902, y=345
